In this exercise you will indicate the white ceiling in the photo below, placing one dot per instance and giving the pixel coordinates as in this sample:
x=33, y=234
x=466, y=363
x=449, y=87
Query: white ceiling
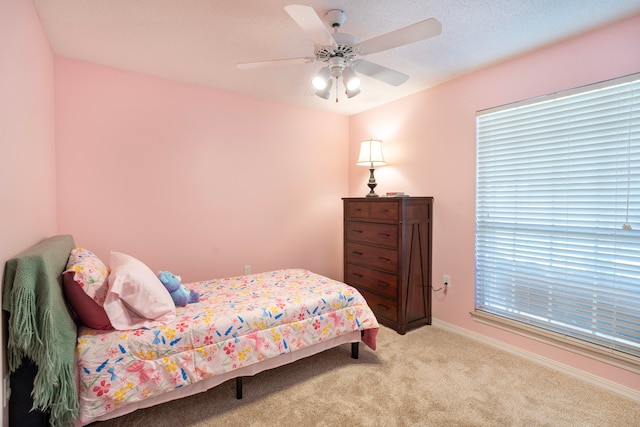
x=201, y=41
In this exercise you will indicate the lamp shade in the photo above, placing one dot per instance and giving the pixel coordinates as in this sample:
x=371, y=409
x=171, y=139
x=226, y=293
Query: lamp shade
x=321, y=80
x=371, y=153
x=351, y=93
x=326, y=92
x=351, y=80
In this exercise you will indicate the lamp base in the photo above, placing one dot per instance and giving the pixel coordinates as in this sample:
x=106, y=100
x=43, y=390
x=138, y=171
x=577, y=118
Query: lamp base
x=372, y=184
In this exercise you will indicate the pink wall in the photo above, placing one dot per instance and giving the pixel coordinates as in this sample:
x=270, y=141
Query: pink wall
x=27, y=125
x=430, y=151
x=194, y=180
x=27, y=144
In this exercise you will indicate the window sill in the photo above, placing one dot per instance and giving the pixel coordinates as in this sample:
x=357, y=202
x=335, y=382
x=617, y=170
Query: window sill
x=612, y=357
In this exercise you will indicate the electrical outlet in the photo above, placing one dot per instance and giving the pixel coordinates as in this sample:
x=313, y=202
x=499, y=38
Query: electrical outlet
x=446, y=280
x=247, y=270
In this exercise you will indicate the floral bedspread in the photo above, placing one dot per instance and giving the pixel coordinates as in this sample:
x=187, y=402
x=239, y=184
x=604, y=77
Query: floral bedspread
x=238, y=321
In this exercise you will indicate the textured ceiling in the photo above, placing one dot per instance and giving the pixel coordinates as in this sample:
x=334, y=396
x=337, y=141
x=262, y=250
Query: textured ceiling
x=201, y=41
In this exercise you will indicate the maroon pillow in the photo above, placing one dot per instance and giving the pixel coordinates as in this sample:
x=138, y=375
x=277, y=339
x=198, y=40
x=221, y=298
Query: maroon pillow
x=88, y=311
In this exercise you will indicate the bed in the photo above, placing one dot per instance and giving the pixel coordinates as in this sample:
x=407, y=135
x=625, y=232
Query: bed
x=241, y=326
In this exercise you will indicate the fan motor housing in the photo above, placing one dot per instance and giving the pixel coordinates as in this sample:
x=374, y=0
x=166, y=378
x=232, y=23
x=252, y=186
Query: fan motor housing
x=344, y=48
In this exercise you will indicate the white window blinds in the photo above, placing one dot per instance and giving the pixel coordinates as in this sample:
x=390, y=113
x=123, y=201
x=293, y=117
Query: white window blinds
x=558, y=213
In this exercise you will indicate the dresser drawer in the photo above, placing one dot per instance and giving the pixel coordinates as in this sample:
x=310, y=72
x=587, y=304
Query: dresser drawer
x=372, y=256
x=377, y=281
x=374, y=233
x=381, y=306
x=385, y=211
x=380, y=210
x=356, y=210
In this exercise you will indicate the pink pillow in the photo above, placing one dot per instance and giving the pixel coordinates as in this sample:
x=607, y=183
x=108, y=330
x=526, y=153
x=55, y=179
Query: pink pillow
x=136, y=297
x=85, y=288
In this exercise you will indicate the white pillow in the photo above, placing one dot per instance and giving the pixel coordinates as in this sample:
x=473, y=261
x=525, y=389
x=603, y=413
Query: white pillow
x=136, y=297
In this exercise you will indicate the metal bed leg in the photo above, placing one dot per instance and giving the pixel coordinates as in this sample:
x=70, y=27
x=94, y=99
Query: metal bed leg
x=354, y=349
x=238, y=387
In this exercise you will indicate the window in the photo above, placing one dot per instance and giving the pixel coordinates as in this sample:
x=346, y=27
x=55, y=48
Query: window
x=558, y=213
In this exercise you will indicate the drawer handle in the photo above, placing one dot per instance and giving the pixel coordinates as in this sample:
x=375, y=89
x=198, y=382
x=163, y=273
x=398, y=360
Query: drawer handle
x=356, y=253
x=384, y=259
x=384, y=284
x=357, y=231
x=384, y=235
x=357, y=275
x=382, y=306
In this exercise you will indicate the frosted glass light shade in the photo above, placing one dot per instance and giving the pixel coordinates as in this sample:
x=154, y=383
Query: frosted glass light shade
x=326, y=92
x=351, y=80
x=352, y=93
x=321, y=80
x=371, y=153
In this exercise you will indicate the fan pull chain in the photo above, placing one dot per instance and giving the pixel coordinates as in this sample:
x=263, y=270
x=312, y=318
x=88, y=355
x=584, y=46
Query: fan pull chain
x=336, y=90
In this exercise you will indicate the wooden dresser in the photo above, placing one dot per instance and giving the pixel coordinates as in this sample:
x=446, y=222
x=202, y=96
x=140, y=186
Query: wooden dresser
x=387, y=257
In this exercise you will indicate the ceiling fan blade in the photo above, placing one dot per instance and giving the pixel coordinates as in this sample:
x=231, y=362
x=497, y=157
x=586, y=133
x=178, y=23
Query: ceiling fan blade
x=310, y=22
x=274, y=63
x=413, y=33
x=378, y=72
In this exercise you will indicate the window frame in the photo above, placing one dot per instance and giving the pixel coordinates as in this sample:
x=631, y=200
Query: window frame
x=596, y=351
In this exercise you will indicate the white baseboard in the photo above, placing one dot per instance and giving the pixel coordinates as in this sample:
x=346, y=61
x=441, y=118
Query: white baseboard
x=627, y=392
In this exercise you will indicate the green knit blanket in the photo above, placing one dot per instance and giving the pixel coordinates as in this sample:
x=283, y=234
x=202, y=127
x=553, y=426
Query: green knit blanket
x=41, y=327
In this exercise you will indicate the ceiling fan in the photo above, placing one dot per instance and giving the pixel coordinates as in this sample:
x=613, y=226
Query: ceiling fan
x=341, y=51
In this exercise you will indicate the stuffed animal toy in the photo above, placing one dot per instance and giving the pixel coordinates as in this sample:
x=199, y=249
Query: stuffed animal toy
x=180, y=294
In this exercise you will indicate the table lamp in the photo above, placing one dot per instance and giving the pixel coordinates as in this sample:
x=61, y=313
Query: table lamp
x=371, y=155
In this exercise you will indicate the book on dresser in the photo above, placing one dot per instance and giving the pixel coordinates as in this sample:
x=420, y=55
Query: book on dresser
x=387, y=257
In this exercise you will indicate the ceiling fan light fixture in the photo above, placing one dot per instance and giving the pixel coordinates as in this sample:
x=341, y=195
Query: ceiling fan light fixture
x=352, y=93
x=322, y=79
x=351, y=80
x=326, y=92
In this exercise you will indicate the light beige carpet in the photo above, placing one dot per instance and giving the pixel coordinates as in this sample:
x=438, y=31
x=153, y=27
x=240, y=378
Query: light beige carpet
x=428, y=377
